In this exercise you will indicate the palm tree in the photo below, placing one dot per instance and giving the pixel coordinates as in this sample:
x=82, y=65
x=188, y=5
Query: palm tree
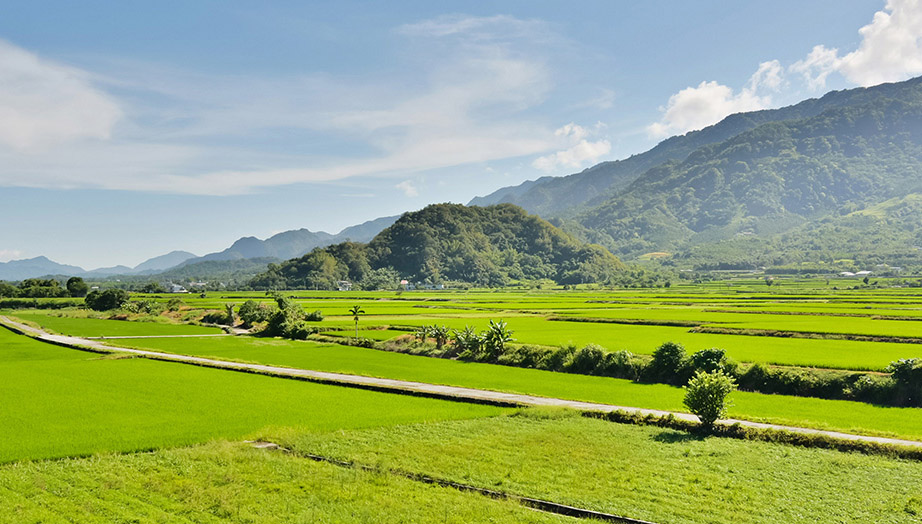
x=356, y=311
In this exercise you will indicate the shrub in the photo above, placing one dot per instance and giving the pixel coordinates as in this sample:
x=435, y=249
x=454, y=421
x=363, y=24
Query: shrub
x=215, y=317
x=174, y=304
x=711, y=360
x=314, y=316
x=706, y=396
x=907, y=375
x=252, y=312
x=106, y=300
x=586, y=360
x=622, y=364
x=669, y=364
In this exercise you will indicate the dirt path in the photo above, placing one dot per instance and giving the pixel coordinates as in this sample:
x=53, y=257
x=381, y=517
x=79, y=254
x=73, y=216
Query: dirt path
x=419, y=388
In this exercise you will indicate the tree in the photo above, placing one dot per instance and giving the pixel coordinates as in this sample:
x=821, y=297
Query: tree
x=152, y=287
x=668, y=364
x=77, y=287
x=907, y=373
x=440, y=334
x=105, y=300
x=356, y=311
x=252, y=312
x=706, y=396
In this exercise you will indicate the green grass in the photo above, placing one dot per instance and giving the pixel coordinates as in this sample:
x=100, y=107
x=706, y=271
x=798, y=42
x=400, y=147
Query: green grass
x=642, y=472
x=94, y=327
x=232, y=483
x=797, y=411
x=58, y=402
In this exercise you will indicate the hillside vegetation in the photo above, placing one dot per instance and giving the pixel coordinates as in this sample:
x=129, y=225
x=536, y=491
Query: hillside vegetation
x=487, y=246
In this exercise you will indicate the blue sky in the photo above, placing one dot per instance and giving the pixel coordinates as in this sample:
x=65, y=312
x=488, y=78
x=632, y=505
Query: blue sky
x=130, y=129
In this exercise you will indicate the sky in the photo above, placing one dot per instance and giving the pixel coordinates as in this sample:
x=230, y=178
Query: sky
x=131, y=129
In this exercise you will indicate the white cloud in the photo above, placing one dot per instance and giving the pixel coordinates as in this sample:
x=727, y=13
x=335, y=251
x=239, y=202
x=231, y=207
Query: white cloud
x=464, y=107
x=43, y=103
x=408, y=188
x=9, y=254
x=890, y=50
x=698, y=107
x=579, y=152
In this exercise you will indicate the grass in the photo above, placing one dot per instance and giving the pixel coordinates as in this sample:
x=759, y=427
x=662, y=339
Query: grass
x=95, y=327
x=224, y=482
x=642, y=472
x=796, y=411
x=58, y=402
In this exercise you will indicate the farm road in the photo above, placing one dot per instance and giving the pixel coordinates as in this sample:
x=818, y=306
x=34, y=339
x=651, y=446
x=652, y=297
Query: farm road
x=418, y=388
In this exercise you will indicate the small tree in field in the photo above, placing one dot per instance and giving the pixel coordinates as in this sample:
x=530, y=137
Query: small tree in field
x=356, y=312
x=706, y=396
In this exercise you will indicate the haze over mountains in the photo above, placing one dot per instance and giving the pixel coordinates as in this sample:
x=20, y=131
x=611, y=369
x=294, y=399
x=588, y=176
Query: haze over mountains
x=282, y=246
x=837, y=177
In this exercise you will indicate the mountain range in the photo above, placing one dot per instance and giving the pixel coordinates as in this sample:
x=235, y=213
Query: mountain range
x=182, y=264
x=832, y=178
x=764, y=183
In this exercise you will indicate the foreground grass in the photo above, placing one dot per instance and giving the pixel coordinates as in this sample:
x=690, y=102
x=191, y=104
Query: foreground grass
x=642, y=472
x=855, y=417
x=224, y=482
x=58, y=402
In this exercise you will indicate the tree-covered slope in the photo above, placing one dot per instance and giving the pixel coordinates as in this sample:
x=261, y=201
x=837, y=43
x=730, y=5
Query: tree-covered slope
x=564, y=196
x=450, y=242
x=773, y=178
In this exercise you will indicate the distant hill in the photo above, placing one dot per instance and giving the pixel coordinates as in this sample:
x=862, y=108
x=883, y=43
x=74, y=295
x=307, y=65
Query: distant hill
x=156, y=264
x=35, y=267
x=290, y=244
x=449, y=242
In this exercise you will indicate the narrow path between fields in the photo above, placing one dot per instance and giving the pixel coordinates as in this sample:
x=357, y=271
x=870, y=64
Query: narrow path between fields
x=418, y=388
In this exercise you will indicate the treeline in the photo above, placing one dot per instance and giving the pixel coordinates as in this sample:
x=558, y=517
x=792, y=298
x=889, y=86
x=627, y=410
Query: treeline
x=669, y=364
x=484, y=246
x=44, y=288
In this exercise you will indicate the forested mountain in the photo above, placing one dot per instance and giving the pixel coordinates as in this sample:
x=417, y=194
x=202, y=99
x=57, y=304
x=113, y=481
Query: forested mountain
x=565, y=196
x=772, y=178
x=450, y=242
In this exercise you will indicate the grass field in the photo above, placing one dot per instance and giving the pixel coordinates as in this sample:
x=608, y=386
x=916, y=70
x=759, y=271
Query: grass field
x=642, y=472
x=797, y=411
x=94, y=327
x=234, y=483
x=58, y=402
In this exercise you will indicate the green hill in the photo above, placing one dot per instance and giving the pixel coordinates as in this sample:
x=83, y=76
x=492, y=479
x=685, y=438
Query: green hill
x=488, y=246
x=780, y=183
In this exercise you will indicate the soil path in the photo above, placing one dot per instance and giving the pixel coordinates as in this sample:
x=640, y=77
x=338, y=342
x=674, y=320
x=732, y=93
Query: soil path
x=418, y=388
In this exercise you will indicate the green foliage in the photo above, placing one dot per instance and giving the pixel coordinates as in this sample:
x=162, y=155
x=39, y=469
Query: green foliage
x=314, y=316
x=41, y=288
x=106, y=300
x=77, y=287
x=174, y=304
x=495, y=339
x=706, y=396
x=288, y=320
x=774, y=178
x=467, y=340
x=252, y=312
x=451, y=243
x=907, y=373
x=669, y=364
x=711, y=360
x=152, y=287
